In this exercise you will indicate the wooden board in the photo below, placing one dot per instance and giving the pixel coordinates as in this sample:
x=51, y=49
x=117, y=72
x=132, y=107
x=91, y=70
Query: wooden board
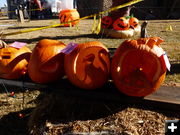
x=165, y=98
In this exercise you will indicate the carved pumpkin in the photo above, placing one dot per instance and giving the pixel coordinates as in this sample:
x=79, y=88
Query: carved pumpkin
x=137, y=68
x=69, y=15
x=46, y=63
x=106, y=22
x=133, y=22
x=88, y=65
x=121, y=24
x=13, y=62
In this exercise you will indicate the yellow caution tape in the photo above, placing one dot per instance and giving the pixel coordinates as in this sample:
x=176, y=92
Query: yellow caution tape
x=98, y=29
x=94, y=24
x=86, y=17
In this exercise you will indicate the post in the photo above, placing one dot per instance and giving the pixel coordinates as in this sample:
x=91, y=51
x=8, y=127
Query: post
x=21, y=16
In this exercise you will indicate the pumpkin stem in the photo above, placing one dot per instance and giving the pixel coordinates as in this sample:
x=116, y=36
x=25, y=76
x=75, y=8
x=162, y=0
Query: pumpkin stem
x=143, y=29
x=2, y=44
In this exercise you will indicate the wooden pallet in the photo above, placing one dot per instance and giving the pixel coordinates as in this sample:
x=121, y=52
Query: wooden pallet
x=165, y=98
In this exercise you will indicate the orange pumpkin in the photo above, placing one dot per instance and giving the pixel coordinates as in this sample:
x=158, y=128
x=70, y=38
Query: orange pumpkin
x=46, y=63
x=13, y=62
x=88, y=65
x=106, y=22
x=121, y=24
x=133, y=22
x=69, y=15
x=137, y=68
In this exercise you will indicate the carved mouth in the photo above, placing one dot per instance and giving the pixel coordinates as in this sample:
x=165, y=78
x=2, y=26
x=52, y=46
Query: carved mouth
x=119, y=25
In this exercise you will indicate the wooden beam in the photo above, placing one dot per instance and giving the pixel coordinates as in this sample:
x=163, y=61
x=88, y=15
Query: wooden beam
x=165, y=98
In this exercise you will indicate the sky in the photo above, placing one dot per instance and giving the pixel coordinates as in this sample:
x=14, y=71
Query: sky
x=2, y=2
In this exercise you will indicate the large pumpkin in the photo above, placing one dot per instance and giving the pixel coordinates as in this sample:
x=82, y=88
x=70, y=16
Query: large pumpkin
x=69, y=15
x=46, y=63
x=137, y=67
x=13, y=62
x=88, y=65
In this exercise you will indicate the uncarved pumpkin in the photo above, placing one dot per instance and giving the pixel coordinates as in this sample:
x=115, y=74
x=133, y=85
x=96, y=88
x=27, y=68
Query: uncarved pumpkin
x=13, y=62
x=69, y=15
x=137, y=68
x=47, y=63
x=88, y=65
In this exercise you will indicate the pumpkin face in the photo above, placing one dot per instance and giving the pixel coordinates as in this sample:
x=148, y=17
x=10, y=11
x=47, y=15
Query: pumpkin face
x=133, y=22
x=88, y=65
x=46, y=63
x=69, y=15
x=121, y=24
x=13, y=62
x=137, y=69
x=106, y=22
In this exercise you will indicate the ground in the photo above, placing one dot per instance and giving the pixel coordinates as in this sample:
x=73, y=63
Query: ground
x=126, y=119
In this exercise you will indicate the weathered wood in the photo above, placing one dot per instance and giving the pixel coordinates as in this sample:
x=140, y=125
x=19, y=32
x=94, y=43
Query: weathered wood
x=165, y=98
x=21, y=16
x=17, y=83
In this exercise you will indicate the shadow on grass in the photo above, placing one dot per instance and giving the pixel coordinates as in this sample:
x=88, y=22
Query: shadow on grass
x=175, y=69
x=94, y=36
x=24, y=27
x=12, y=124
x=64, y=103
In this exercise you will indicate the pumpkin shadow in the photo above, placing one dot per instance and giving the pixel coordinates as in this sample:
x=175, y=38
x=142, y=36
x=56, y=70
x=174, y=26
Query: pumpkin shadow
x=12, y=124
x=175, y=69
x=66, y=103
x=32, y=40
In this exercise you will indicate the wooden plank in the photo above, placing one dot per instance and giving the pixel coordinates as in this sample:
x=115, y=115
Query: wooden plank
x=165, y=98
x=21, y=16
x=18, y=83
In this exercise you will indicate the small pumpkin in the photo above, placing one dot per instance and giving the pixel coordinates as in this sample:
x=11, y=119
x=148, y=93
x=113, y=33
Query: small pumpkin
x=133, y=22
x=13, y=61
x=88, y=65
x=47, y=63
x=106, y=22
x=69, y=15
x=137, y=68
x=121, y=24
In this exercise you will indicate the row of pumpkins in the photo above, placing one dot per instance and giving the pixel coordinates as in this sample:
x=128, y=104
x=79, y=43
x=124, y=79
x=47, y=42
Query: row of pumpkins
x=136, y=67
x=122, y=27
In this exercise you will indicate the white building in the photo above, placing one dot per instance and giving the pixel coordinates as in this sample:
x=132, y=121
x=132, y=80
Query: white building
x=58, y=5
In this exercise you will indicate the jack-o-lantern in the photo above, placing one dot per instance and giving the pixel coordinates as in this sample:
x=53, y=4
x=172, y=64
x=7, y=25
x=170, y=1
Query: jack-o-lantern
x=106, y=22
x=88, y=65
x=69, y=15
x=133, y=22
x=13, y=61
x=121, y=24
x=137, y=68
x=47, y=63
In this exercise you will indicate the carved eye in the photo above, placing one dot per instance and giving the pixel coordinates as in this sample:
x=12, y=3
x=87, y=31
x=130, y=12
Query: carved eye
x=121, y=24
